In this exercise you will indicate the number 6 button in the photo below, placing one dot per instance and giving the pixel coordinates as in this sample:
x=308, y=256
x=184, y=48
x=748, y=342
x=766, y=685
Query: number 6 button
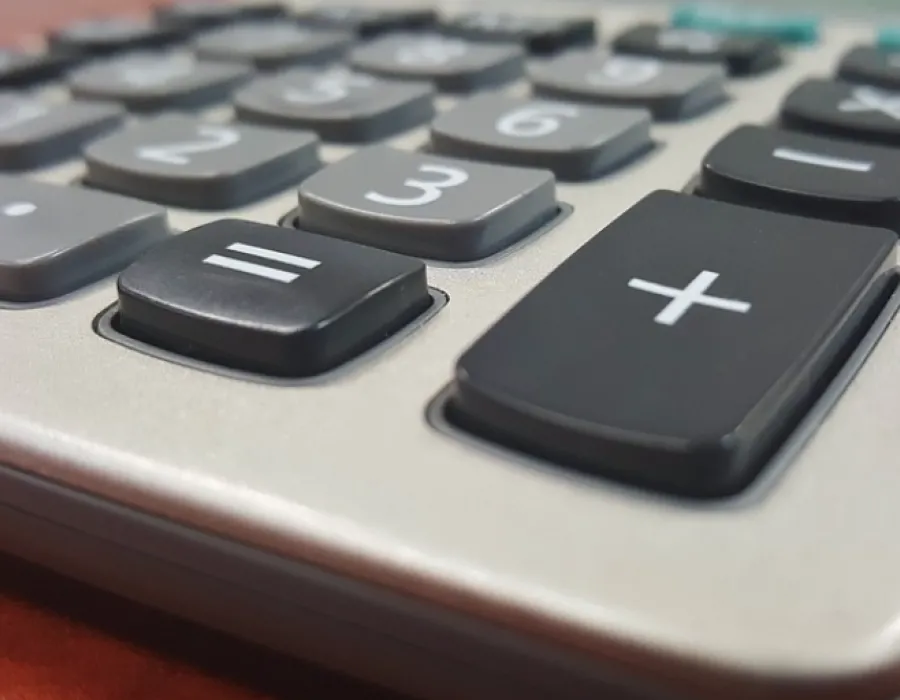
x=181, y=161
x=575, y=142
x=426, y=206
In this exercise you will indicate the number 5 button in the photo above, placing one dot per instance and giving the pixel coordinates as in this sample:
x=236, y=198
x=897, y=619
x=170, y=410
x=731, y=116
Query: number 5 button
x=575, y=142
x=426, y=206
x=181, y=161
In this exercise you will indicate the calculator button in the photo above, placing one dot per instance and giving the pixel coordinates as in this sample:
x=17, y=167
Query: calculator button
x=193, y=15
x=19, y=69
x=677, y=362
x=57, y=239
x=670, y=90
x=106, y=35
x=790, y=28
x=426, y=205
x=576, y=142
x=740, y=55
x=368, y=22
x=452, y=64
x=871, y=66
x=539, y=35
x=858, y=112
x=805, y=175
x=185, y=162
x=267, y=299
x=338, y=104
x=34, y=134
x=272, y=44
x=149, y=82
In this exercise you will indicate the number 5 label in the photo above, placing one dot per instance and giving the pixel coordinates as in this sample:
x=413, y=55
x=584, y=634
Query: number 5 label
x=431, y=189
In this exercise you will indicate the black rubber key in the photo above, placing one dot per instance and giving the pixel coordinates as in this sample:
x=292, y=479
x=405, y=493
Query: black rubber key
x=679, y=347
x=870, y=66
x=25, y=69
x=107, y=35
x=426, y=205
x=858, y=112
x=338, y=104
x=451, y=64
x=195, y=15
x=368, y=22
x=539, y=35
x=805, y=175
x=267, y=299
x=55, y=239
x=34, y=134
x=576, y=142
x=741, y=55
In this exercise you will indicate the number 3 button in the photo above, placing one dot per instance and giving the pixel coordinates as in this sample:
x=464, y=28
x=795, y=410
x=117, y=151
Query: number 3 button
x=426, y=206
x=184, y=162
x=576, y=142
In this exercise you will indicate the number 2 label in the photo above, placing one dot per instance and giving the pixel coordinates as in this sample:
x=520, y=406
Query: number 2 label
x=211, y=138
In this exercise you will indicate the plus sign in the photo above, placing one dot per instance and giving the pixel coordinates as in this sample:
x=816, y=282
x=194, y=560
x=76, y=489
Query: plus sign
x=684, y=299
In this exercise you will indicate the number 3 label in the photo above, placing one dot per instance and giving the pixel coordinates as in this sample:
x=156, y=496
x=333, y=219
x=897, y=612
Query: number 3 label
x=431, y=190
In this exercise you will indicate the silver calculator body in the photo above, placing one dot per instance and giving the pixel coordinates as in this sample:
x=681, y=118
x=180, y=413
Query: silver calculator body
x=342, y=519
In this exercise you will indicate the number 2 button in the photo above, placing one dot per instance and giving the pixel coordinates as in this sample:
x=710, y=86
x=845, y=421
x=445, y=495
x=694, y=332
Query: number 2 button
x=576, y=142
x=426, y=206
x=184, y=162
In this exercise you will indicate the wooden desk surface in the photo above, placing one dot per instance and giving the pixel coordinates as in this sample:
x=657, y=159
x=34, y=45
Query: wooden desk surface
x=63, y=641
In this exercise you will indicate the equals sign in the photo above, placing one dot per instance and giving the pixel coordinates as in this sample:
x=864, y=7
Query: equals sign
x=258, y=270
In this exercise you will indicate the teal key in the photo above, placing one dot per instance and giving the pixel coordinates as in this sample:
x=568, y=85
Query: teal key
x=794, y=28
x=889, y=38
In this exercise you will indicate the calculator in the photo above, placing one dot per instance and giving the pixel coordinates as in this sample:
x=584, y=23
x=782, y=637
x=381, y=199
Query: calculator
x=478, y=350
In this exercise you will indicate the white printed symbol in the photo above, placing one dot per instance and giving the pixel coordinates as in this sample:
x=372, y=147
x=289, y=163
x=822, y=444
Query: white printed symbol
x=806, y=158
x=258, y=270
x=331, y=86
x=18, y=112
x=692, y=40
x=431, y=51
x=19, y=209
x=625, y=71
x=251, y=36
x=684, y=299
x=869, y=99
x=152, y=71
x=493, y=21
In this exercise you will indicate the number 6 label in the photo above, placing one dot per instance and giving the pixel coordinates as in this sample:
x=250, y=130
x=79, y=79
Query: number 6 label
x=534, y=121
x=431, y=189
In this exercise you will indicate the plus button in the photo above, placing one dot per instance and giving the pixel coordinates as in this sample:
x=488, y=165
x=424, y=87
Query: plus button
x=684, y=299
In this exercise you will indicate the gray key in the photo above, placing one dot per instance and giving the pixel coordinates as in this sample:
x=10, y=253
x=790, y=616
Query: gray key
x=426, y=206
x=337, y=104
x=576, y=142
x=55, y=239
x=153, y=81
x=273, y=44
x=670, y=90
x=34, y=134
x=453, y=65
x=186, y=162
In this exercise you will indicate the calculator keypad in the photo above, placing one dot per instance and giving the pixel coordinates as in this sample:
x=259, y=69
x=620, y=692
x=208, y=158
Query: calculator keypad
x=426, y=205
x=187, y=162
x=453, y=65
x=338, y=104
x=670, y=90
x=576, y=142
